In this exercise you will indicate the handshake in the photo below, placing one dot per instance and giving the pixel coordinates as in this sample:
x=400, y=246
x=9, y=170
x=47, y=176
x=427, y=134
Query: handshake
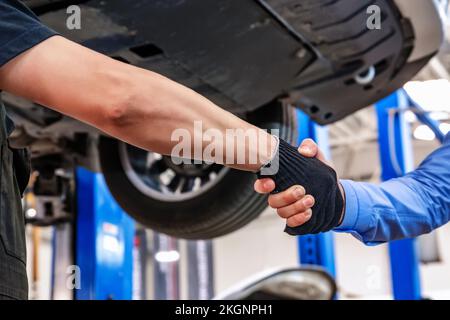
x=305, y=190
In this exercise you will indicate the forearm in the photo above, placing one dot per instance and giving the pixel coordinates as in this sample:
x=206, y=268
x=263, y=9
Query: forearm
x=132, y=104
x=159, y=107
x=400, y=208
x=380, y=213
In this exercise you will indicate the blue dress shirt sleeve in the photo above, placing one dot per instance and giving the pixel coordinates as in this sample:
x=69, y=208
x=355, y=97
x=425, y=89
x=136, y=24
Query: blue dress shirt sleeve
x=400, y=208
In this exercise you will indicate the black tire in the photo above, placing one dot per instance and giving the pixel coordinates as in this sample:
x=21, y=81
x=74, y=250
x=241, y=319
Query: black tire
x=227, y=206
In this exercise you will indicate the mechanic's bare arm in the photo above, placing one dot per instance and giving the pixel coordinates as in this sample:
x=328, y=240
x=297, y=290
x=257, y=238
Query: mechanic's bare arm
x=132, y=104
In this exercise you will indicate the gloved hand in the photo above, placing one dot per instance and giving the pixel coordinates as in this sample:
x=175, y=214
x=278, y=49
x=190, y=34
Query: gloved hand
x=319, y=181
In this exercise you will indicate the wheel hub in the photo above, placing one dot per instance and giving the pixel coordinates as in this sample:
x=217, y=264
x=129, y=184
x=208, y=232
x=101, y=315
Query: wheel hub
x=188, y=169
x=159, y=177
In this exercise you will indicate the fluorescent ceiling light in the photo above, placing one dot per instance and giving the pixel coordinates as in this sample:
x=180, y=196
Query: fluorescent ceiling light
x=432, y=96
x=167, y=256
x=31, y=213
x=423, y=132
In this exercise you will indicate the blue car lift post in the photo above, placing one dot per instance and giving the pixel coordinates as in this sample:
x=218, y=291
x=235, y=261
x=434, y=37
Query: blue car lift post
x=396, y=160
x=103, y=243
x=316, y=249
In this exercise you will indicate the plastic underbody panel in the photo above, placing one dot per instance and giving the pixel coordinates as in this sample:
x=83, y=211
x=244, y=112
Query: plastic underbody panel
x=244, y=54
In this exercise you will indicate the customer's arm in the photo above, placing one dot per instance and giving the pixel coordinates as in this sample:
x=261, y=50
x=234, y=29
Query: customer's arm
x=399, y=208
x=132, y=104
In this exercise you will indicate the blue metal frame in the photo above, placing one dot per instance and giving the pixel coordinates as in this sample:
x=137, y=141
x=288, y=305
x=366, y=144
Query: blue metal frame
x=316, y=249
x=425, y=118
x=397, y=159
x=104, y=241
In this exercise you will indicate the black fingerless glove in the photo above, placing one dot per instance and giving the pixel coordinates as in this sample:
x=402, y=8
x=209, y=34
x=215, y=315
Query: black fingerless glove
x=290, y=168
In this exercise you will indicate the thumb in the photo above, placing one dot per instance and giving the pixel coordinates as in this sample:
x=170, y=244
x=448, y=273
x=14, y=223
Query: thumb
x=310, y=149
x=264, y=186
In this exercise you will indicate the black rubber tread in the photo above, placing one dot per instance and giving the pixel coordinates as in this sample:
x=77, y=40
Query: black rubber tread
x=228, y=206
x=331, y=25
x=345, y=47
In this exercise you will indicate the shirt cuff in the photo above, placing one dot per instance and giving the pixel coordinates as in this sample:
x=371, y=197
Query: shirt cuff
x=351, y=213
x=23, y=42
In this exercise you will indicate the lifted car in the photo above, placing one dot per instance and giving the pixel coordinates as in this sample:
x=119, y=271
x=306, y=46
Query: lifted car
x=260, y=59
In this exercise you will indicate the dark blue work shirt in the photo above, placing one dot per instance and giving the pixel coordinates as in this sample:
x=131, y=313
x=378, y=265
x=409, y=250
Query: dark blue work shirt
x=20, y=30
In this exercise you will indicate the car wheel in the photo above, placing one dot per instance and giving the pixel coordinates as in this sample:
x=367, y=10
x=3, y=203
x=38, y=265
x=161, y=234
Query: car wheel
x=188, y=201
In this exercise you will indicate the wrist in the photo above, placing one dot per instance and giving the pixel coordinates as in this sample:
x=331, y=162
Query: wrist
x=271, y=150
x=267, y=151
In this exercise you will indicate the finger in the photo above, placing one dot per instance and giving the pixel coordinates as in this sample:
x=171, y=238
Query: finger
x=297, y=207
x=299, y=219
x=264, y=185
x=310, y=149
x=286, y=197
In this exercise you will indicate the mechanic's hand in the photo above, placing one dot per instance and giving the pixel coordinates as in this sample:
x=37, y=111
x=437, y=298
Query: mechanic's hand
x=292, y=204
